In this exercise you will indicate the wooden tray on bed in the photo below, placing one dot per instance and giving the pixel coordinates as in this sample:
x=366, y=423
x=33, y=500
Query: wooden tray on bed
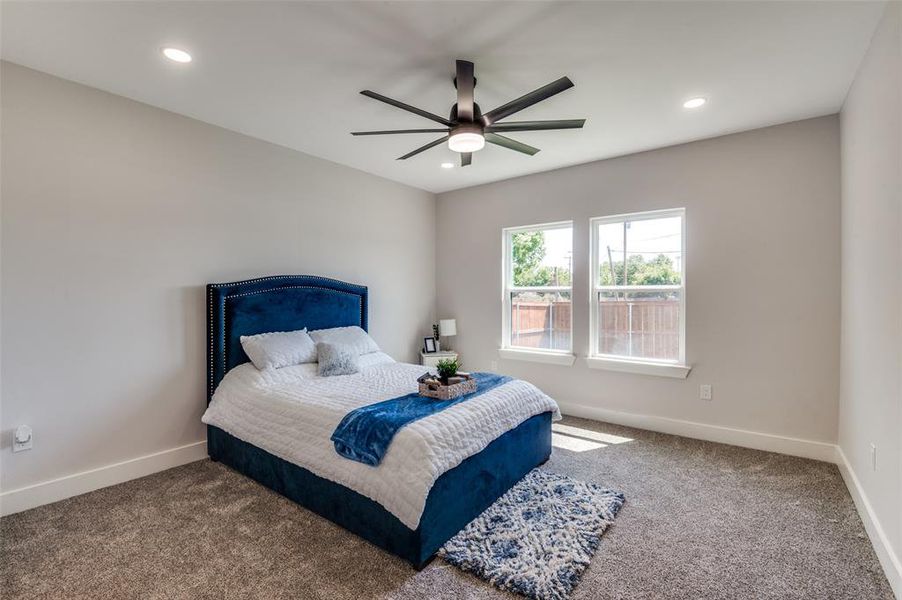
x=433, y=387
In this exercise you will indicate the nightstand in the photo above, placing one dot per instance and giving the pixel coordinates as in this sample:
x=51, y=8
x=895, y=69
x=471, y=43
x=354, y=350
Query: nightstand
x=431, y=359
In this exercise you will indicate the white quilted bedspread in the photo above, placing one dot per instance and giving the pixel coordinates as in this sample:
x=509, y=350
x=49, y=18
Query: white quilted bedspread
x=291, y=413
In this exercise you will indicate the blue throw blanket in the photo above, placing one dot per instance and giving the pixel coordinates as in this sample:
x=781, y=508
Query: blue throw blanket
x=365, y=433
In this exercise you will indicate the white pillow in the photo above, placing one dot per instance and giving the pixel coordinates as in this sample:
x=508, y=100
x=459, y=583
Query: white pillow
x=279, y=349
x=354, y=338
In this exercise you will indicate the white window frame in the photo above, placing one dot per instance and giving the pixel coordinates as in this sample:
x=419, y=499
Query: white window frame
x=556, y=357
x=612, y=362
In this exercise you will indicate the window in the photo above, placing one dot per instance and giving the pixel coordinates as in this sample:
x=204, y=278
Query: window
x=537, y=291
x=638, y=290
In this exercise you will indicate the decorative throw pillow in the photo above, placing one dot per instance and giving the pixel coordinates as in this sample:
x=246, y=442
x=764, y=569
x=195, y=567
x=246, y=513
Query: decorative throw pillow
x=279, y=349
x=336, y=359
x=354, y=337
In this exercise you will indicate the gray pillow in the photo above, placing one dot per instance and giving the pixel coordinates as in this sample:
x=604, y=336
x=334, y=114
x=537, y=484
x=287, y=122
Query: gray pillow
x=336, y=359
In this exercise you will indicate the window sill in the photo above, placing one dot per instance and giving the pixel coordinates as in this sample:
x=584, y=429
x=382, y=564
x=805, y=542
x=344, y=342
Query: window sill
x=551, y=358
x=674, y=370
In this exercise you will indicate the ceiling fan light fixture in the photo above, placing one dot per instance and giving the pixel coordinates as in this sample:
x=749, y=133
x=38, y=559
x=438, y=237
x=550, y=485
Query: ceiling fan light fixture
x=466, y=138
x=466, y=142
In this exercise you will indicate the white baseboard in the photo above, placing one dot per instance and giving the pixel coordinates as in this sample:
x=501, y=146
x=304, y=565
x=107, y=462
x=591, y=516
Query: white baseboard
x=891, y=564
x=713, y=433
x=54, y=490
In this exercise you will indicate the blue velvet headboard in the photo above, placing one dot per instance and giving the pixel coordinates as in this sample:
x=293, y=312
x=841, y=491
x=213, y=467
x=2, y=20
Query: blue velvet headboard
x=278, y=303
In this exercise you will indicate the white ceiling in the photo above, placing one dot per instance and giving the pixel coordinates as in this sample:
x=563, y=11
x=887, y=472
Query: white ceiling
x=289, y=72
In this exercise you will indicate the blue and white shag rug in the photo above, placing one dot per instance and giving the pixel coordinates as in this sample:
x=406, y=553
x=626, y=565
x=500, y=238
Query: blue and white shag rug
x=538, y=538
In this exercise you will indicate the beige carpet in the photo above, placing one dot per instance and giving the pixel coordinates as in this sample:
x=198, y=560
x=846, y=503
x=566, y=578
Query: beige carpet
x=701, y=520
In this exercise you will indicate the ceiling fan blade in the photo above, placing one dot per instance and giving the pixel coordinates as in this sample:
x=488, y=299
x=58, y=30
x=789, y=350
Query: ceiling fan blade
x=500, y=140
x=465, y=85
x=536, y=125
x=525, y=101
x=424, y=148
x=392, y=131
x=466, y=158
x=406, y=107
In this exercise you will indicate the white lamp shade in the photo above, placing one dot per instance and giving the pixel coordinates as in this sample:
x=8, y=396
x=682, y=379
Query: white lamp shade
x=447, y=327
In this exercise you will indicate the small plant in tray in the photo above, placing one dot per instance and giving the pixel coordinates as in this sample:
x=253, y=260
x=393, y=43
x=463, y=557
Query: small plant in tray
x=447, y=368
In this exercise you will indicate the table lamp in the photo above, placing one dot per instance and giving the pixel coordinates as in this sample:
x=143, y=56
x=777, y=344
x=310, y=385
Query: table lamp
x=447, y=328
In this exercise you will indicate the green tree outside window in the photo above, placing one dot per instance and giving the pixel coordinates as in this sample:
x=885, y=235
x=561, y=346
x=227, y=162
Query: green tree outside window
x=657, y=271
x=528, y=249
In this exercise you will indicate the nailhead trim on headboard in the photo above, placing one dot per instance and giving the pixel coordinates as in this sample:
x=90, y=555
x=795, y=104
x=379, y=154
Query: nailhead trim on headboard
x=313, y=278
x=210, y=334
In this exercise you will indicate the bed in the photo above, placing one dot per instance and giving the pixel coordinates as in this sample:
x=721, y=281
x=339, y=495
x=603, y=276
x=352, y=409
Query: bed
x=454, y=498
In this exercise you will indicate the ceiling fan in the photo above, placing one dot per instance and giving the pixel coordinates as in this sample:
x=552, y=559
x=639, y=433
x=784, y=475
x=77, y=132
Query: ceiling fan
x=467, y=129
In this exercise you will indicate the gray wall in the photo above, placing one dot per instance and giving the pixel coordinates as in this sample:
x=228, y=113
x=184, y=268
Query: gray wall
x=871, y=372
x=762, y=275
x=114, y=216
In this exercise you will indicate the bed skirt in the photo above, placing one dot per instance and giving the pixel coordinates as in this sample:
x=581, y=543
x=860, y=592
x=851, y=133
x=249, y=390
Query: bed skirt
x=458, y=496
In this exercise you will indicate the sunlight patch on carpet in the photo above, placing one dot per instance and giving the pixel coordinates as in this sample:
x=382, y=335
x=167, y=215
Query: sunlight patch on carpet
x=577, y=439
x=574, y=444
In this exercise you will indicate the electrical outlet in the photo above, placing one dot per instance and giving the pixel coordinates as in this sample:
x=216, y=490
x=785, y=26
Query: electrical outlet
x=704, y=391
x=874, y=457
x=494, y=365
x=22, y=439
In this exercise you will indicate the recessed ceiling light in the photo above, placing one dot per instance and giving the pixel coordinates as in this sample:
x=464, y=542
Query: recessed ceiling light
x=447, y=165
x=177, y=55
x=695, y=102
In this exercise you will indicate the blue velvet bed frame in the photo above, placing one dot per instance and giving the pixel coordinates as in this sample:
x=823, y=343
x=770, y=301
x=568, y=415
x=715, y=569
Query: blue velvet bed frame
x=290, y=302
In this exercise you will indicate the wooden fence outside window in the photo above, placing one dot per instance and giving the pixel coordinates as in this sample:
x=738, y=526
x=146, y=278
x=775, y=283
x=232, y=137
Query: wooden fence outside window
x=633, y=328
